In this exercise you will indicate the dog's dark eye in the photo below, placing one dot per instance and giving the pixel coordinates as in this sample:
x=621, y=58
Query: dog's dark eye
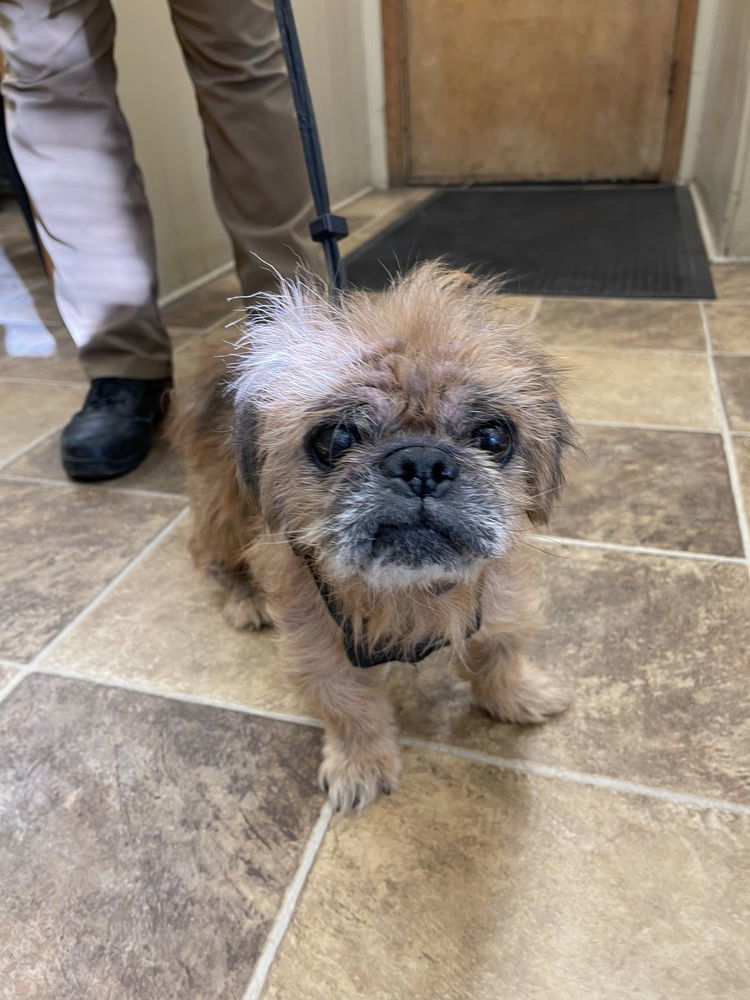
x=330, y=442
x=496, y=438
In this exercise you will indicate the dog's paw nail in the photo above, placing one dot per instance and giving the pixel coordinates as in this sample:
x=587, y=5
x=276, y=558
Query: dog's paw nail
x=385, y=789
x=324, y=785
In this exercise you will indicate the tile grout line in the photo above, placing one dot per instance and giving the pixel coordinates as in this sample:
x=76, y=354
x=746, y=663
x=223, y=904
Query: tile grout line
x=530, y=767
x=186, y=290
x=64, y=383
x=20, y=670
x=622, y=425
x=12, y=664
x=13, y=683
x=191, y=699
x=666, y=352
x=29, y=447
x=578, y=777
x=641, y=550
x=726, y=434
x=108, y=588
x=648, y=301
x=288, y=906
x=11, y=477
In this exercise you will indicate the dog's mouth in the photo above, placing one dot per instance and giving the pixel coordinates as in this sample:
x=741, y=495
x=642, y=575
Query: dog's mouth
x=415, y=544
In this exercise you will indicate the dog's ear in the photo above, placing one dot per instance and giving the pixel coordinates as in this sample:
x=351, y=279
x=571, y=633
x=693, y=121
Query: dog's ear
x=547, y=476
x=245, y=442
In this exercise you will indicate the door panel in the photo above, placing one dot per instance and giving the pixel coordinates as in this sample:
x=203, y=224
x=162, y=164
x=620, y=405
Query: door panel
x=533, y=89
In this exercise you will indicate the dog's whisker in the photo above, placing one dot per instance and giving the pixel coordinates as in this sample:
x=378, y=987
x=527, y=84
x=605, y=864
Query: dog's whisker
x=547, y=552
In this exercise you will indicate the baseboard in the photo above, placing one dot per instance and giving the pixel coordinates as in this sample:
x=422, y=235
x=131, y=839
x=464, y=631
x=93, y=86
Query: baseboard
x=191, y=286
x=703, y=223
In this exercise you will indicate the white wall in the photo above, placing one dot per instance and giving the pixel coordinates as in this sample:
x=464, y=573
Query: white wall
x=342, y=46
x=715, y=152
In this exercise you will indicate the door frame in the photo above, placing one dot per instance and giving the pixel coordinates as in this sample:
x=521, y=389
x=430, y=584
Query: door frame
x=395, y=51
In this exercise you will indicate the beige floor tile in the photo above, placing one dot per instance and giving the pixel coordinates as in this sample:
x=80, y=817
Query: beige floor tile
x=33, y=305
x=516, y=309
x=357, y=220
x=205, y=306
x=655, y=650
x=731, y=281
x=638, y=388
x=742, y=454
x=11, y=284
x=162, y=471
x=376, y=204
x=668, y=489
x=27, y=411
x=730, y=327
x=734, y=379
x=162, y=627
x=480, y=883
x=59, y=546
x=621, y=324
x=39, y=350
x=6, y=674
x=147, y=843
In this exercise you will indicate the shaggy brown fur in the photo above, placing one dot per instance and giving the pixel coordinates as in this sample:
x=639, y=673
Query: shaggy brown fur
x=425, y=363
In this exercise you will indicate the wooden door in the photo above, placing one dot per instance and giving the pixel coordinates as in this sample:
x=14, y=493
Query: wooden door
x=536, y=90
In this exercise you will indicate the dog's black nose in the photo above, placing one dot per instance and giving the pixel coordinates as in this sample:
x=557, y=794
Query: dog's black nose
x=421, y=470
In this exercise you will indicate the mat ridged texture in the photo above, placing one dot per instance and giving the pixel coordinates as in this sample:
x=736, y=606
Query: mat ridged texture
x=610, y=241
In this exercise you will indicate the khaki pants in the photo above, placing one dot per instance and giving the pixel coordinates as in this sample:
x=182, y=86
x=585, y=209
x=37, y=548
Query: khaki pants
x=74, y=151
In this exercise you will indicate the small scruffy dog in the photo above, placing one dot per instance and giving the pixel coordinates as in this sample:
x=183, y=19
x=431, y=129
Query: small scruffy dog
x=391, y=449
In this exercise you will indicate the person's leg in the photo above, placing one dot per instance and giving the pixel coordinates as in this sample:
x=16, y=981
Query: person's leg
x=233, y=53
x=74, y=152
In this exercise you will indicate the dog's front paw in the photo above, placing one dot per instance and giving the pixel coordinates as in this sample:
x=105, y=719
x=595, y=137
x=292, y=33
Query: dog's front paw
x=245, y=611
x=532, y=697
x=354, y=775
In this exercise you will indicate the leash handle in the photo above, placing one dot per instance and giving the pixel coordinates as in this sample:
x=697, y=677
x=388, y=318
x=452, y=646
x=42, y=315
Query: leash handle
x=326, y=229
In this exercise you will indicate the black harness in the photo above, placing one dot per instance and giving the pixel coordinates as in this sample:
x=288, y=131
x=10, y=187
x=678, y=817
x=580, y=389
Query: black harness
x=361, y=655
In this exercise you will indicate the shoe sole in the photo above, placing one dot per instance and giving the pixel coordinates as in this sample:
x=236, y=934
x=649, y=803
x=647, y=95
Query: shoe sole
x=99, y=470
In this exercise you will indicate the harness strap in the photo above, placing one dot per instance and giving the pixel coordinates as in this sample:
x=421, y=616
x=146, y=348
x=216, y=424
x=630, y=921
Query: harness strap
x=326, y=228
x=361, y=655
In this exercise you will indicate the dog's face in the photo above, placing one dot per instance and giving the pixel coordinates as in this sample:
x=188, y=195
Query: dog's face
x=403, y=439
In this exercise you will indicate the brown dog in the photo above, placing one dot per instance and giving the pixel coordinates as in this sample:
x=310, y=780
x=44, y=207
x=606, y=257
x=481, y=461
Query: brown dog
x=366, y=471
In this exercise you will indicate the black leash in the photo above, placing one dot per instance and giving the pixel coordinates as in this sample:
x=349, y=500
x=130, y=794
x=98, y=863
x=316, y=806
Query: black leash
x=326, y=228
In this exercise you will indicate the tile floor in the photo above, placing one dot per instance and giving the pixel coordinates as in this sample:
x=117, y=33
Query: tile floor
x=161, y=835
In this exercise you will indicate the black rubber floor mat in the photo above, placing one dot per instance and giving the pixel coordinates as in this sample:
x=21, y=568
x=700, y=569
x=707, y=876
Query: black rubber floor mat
x=612, y=241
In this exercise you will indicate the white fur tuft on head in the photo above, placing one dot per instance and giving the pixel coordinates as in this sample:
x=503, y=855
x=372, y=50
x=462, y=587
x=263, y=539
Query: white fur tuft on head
x=295, y=347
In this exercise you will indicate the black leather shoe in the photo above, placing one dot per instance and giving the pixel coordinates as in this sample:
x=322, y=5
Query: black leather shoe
x=111, y=434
